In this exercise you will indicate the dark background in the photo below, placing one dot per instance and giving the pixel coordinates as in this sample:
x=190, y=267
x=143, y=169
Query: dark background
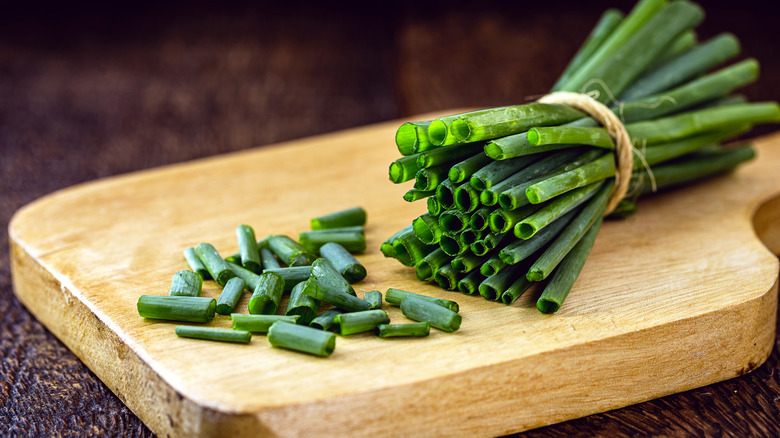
x=89, y=90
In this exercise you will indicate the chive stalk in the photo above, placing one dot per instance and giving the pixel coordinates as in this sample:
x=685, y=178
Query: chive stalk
x=185, y=309
x=325, y=320
x=415, y=195
x=301, y=338
x=446, y=277
x=195, y=264
x=267, y=294
x=268, y=259
x=355, y=216
x=412, y=137
x=230, y=295
x=462, y=171
x=426, y=227
x=412, y=329
x=469, y=284
x=302, y=304
x=374, y=299
x=186, y=283
x=421, y=310
x=289, y=251
x=359, y=322
x=213, y=334
x=344, y=262
x=395, y=296
x=258, y=323
x=247, y=247
x=217, y=267
x=352, y=238
x=431, y=263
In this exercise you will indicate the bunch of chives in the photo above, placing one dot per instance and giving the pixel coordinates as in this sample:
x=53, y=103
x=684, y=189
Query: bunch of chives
x=516, y=195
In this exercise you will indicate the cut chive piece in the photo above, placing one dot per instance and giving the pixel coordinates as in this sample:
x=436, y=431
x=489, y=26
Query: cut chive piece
x=302, y=305
x=469, y=284
x=446, y=277
x=445, y=193
x=247, y=246
x=595, y=171
x=359, y=322
x=217, y=267
x=415, y=195
x=352, y=238
x=258, y=323
x=421, y=310
x=185, y=309
x=327, y=285
x=461, y=172
x=344, y=262
x=395, y=296
x=195, y=264
x=213, y=334
x=500, y=122
x=325, y=321
x=374, y=299
x=268, y=259
x=570, y=135
x=387, y=246
x=569, y=237
x=289, y=251
x=403, y=169
x=683, y=43
x=267, y=294
x=412, y=329
x=250, y=278
x=186, y=284
x=412, y=137
x=431, y=263
x=426, y=227
x=566, y=274
x=292, y=275
x=519, y=250
x=355, y=216
x=301, y=338
x=230, y=296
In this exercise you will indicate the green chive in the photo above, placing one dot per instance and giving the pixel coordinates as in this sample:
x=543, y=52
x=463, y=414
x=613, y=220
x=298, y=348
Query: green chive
x=430, y=177
x=359, y=322
x=230, y=295
x=353, y=238
x=426, y=227
x=395, y=296
x=258, y=323
x=412, y=136
x=186, y=309
x=445, y=194
x=387, y=246
x=328, y=286
x=469, y=284
x=195, y=264
x=301, y=338
x=466, y=197
x=446, y=277
x=451, y=244
x=462, y=171
x=434, y=206
x=431, y=263
x=413, y=329
x=247, y=246
x=448, y=155
x=479, y=219
x=519, y=250
x=497, y=171
x=325, y=321
x=403, y=169
x=267, y=294
x=328, y=276
x=515, y=290
x=344, y=262
x=421, y=310
x=186, y=283
x=289, y=251
x=492, y=266
x=269, y=259
x=355, y=216
x=409, y=250
x=566, y=274
x=374, y=299
x=292, y=275
x=500, y=122
x=415, y=195
x=218, y=268
x=494, y=286
x=213, y=334
x=302, y=305
x=555, y=209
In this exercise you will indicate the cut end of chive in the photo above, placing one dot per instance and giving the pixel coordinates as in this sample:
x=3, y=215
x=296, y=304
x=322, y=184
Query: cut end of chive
x=396, y=172
x=258, y=304
x=466, y=200
x=402, y=254
x=506, y=202
x=525, y=230
x=478, y=183
x=547, y=306
x=488, y=292
x=406, y=139
x=437, y=132
x=488, y=198
x=451, y=222
x=460, y=129
x=479, y=248
x=498, y=223
x=494, y=151
x=532, y=196
x=532, y=136
x=224, y=276
x=449, y=245
x=456, y=175
x=424, y=271
x=534, y=275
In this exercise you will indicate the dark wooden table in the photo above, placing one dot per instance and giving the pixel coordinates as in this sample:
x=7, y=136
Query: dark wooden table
x=91, y=90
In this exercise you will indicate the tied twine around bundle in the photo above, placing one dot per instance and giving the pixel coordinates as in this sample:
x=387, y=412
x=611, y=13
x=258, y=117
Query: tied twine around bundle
x=624, y=156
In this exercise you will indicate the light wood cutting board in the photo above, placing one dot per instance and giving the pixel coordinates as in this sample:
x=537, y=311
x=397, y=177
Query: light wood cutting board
x=680, y=295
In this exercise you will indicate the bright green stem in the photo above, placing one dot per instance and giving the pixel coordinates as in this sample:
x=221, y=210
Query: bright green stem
x=446, y=277
x=421, y=310
x=572, y=234
x=556, y=208
x=186, y=283
x=415, y=195
x=567, y=272
x=413, y=329
x=570, y=136
x=352, y=238
x=469, y=284
x=519, y=250
x=350, y=217
x=359, y=322
x=497, y=171
x=500, y=122
x=302, y=305
x=426, y=227
x=258, y=323
x=463, y=170
x=445, y=194
x=267, y=294
x=247, y=246
x=430, y=177
x=582, y=176
x=431, y=263
x=348, y=266
x=466, y=197
x=395, y=297
x=449, y=155
x=213, y=334
x=230, y=295
x=403, y=169
x=412, y=137
x=494, y=286
x=300, y=338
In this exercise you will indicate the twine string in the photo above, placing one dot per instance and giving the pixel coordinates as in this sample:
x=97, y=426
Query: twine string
x=624, y=150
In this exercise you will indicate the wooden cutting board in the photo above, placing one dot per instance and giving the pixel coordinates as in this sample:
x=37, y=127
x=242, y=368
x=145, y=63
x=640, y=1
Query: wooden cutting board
x=680, y=295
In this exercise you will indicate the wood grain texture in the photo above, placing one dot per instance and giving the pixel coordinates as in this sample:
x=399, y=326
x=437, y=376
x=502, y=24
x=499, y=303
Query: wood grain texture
x=96, y=89
x=702, y=308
